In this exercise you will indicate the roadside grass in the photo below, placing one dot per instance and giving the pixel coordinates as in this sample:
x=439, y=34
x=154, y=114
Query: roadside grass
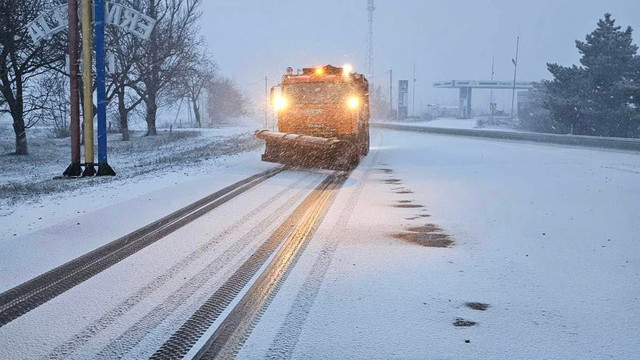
x=28, y=178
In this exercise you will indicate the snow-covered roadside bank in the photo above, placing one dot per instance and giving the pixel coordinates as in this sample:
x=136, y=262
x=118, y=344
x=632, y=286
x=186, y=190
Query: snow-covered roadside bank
x=28, y=178
x=38, y=238
x=441, y=123
x=568, y=140
x=83, y=214
x=453, y=123
x=545, y=236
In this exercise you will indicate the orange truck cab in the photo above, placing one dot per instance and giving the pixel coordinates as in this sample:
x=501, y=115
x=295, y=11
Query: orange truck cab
x=326, y=111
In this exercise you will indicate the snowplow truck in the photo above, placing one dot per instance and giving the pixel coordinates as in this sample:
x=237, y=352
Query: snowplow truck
x=323, y=119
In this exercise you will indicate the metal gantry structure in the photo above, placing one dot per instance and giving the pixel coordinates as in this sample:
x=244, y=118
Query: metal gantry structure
x=466, y=86
x=370, y=69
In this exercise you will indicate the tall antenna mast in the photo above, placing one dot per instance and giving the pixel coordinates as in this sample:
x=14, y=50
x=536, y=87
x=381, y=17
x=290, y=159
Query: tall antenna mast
x=371, y=8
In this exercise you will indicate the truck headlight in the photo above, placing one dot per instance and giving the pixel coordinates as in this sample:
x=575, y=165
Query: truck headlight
x=353, y=103
x=280, y=103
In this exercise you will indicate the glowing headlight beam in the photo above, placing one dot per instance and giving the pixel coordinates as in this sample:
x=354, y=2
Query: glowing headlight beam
x=353, y=103
x=280, y=103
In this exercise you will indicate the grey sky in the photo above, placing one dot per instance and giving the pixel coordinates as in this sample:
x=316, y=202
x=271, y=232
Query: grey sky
x=447, y=39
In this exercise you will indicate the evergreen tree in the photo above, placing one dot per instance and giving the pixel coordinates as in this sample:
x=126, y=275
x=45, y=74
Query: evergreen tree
x=597, y=97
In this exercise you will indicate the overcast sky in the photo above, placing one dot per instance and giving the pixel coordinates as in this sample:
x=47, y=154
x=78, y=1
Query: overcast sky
x=446, y=39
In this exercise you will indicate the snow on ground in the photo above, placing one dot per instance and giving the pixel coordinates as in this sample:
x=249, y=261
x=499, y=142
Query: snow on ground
x=40, y=238
x=33, y=180
x=130, y=309
x=443, y=123
x=47, y=222
x=545, y=235
x=453, y=123
x=25, y=176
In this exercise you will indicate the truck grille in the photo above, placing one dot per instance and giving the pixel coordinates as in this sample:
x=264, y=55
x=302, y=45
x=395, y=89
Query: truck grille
x=319, y=131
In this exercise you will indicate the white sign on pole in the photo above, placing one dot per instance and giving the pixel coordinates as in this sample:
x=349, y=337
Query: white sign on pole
x=56, y=20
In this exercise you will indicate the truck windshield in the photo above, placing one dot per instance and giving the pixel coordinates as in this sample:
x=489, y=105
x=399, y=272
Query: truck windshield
x=318, y=93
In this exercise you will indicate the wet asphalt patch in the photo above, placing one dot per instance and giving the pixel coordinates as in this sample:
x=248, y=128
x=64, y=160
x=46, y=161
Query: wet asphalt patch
x=429, y=228
x=421, y=216
x=404, y=192
x=408, y=206
x=428, y=235
x=477, y=306
x=460, y=322
x=425, y=239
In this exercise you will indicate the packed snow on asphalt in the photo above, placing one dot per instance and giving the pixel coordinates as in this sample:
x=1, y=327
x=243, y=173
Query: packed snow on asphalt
x=436, y=247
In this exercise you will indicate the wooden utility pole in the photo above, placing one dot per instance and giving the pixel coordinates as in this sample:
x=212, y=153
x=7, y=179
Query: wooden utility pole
x=75, y=169
x=87, y=81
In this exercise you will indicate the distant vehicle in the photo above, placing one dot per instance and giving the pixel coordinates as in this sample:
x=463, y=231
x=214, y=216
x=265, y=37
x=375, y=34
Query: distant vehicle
x=323, y=119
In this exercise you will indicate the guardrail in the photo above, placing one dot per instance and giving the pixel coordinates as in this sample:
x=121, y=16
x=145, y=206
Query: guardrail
x=576, y=140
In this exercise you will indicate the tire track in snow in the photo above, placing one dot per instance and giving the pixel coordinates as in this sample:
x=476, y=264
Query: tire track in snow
x=232, y=333
x=192, y=330
x=288, y=335
x=33, y=293
x=91, y=331
x=134, y=335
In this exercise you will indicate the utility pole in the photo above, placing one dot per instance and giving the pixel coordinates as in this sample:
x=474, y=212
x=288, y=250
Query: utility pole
x=413, y=102
x=75, y=169
x=515, y=75
x=391, y=90
x=492, y=106
x=266, y=101
x=87, y=81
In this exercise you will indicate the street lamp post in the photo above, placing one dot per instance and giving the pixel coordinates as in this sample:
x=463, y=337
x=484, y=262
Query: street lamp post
x=515, y=75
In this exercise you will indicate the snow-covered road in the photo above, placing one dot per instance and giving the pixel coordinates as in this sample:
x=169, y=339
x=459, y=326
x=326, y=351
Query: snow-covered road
x=544, y=237
x=547, y=236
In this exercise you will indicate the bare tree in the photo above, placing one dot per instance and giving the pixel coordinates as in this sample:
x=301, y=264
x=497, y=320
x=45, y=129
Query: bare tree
x=197, y=73
x=225, y=100
x=52, y=92
x=166, y=52
x=21, y=60
x=126, y=50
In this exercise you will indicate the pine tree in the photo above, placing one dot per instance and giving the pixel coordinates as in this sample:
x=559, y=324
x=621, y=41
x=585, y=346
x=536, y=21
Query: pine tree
x=597, y=97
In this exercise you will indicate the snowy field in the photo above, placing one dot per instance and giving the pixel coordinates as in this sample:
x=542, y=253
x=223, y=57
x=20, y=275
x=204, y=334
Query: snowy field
x=436, y=247
x=28, y=179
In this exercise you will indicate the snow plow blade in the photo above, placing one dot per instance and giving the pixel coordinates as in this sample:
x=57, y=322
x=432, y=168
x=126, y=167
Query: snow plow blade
x=308, y=151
